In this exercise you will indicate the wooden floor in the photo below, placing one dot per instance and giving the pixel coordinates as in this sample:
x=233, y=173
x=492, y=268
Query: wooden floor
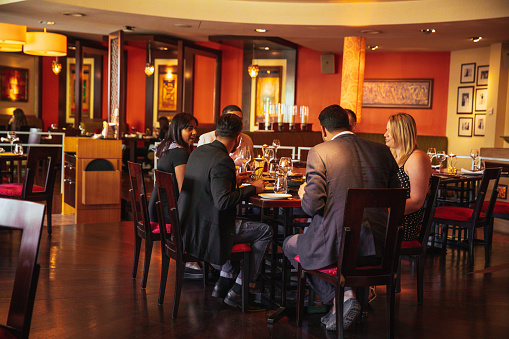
x=85, y=291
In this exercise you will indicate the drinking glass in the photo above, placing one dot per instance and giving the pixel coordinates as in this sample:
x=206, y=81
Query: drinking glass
x=276, y=143
x=281, y=184
x=268, y=154
x=441, y=157
x=244, y=157
x=432, y=152
x=285, y=164
x=474, y=154
x=18, y=149
x=258, y=164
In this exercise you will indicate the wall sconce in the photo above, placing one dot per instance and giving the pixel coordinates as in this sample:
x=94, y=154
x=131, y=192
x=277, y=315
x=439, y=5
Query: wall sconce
x=149, y=67
x=56, y=66
x=253, y=69
x=45, y=44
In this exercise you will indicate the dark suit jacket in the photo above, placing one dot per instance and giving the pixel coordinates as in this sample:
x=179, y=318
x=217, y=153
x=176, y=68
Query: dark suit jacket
x=332, y=168
x=207, y=203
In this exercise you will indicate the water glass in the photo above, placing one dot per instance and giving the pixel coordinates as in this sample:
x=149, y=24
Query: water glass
x=474, y=154
x=18, y=149
x=280, y=184
x=285, y=164
x=258, y=164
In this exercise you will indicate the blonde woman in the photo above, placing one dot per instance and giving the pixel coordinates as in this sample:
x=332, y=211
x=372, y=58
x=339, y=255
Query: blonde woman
x=414, y=169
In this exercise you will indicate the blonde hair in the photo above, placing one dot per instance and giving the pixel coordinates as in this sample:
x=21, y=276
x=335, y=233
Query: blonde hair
x=404, y=132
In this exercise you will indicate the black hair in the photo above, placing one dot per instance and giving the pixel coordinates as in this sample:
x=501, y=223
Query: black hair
x=334, y=118
x=228, y=126
x=230, y=109
x=351, y=113
x=163, y=118
x=178, y=123
x=19, y=119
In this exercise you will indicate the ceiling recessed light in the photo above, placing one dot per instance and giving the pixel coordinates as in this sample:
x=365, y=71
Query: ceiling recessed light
x=370, y=31
x=260, y=30
x=128, y=28
x=372, y=47
x=476, y=38
x=427, y=30
x=74, y=14
x=47, y=22
x=182, y=25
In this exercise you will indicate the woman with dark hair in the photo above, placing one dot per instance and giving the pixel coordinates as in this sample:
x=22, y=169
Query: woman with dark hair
x=18, y=119
x=173, y=153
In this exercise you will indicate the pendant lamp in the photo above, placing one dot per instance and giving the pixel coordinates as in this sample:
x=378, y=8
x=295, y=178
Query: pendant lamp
x=11, y=47
x=12, y=34
x=56, y=66
x=253, y=69
x=149, y=66
x=45, y=44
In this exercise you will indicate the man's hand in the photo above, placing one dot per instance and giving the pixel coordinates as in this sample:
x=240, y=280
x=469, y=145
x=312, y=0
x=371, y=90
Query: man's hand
x=260, y=186
x=301, y=190
x=242, y=177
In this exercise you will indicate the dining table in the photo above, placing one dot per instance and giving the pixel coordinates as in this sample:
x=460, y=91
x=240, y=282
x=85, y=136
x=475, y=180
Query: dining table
x=131, y=142
x=458, y=189
x=10, y=161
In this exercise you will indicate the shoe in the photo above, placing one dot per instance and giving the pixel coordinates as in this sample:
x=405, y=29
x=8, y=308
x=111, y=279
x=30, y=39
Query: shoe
x=351, y=309
x=192, y=274
x=326, y=317
x=220, y=290
x=233, y=299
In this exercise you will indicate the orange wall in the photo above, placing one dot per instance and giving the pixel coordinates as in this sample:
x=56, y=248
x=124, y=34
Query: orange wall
x=318, y=90
x=50, y=98
x=204, y=79
x=135, y=91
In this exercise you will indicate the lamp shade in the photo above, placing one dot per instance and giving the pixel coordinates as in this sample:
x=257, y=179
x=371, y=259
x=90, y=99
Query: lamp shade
x=45, y=44
x=11, y=47
x=12, y=34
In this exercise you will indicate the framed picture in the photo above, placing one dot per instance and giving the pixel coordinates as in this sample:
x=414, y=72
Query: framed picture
x=465, y=99
x=397, y=93
x=480, y=125
x=465, y=127
x=268, y=89
x=467, y=73
x=167, y=96
x=502, y=191
x=86, y=91
x=13, y=84
x=482, y=75
x=480, y=99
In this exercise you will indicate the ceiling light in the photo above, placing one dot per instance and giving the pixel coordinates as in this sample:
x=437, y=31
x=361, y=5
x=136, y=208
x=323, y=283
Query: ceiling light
x=370, y=31
x=162, y=48
x=12, y=34
x=372, y=47
x=72, y=47
x=74, y=14
x=253, y=69
x=56, y=66
x=428, y=30
x=476, y=38
x=11, y=47
x=260, y=30
x=47, y=22
x=45, y=44
x=149, y=66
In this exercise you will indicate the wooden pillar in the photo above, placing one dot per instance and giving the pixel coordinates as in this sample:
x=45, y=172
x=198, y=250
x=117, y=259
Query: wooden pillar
x=78, y=83
x=352, y=79
x=117, y=82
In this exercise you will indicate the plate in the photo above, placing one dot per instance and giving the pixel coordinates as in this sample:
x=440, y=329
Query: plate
x=274, y=196
x=2, y=150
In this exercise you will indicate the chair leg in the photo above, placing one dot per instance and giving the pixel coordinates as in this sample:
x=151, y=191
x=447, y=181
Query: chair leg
x=246, y=264
x=487, y=242
x=301, y=286
x=148, y=254
x=164, y=276
x=340, y=296
x=137, y=247
x=178, y=287
x=420, y=278
x=471, y=247
x=445, y=231
x=49, y=211
x=205, y=270
x=398, y=277
x=390, y=309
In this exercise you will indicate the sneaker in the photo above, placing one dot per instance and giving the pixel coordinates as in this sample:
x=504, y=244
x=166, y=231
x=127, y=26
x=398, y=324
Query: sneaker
x=192, y=274
x=351, y=308
x=326, y=317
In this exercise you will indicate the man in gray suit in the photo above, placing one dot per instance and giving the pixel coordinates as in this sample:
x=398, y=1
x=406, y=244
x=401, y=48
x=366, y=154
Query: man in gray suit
x=343, y=161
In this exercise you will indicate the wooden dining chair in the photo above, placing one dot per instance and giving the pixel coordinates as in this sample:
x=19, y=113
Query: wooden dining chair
x=143, y=228
x=173, y=246
x=346, y=272
x=416, y=249
x=471, y=218
x=39, y=160
x=27, y=217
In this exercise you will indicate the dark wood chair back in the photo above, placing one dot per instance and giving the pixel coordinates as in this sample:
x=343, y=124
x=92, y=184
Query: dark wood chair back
x=429, y=212
x=28, y=217
x=490, y=177
x=139, y=198
x=41, y=160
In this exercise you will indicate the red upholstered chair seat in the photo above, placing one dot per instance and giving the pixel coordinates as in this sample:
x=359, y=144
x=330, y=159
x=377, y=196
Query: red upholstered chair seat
x=410, y=244
x=454, y=213
x=241, y=247
x=154, y=226
x=14, y=190
x=333, y=269
x=500, y=207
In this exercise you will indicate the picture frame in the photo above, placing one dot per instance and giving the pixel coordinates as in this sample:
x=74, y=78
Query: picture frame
x=465, y=127
x=268, y=89
x=167, y=89
x=467, y=73
x=502, y=191
x=480, y=125
x=465, y=99
x=482, y=75
x=481, y=99
x=13, y=84
x=397, y=93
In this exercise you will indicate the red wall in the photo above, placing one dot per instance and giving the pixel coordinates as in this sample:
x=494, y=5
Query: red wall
x=135, y=91
x=50, y=97
x=318, y=90
x=204, y=80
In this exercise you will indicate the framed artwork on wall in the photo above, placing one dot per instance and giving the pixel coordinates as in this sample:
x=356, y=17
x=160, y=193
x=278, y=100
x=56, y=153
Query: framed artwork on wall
x=467, y=73
x=268, y=89
x=465, y=127
x=397, y=93
x=13, y=84
x=502, y=191
x=482, y=75
x=465, y=99
x=167, y=96
x=480, y=125
x=480, y=99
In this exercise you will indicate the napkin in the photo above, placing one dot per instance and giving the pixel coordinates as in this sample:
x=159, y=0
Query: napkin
x=468, y=172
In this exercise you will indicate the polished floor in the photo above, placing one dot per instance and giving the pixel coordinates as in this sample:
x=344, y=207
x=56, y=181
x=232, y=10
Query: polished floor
x=85, y=291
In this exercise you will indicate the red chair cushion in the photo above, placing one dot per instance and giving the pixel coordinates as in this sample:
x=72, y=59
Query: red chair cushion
x=454, y=213
x=241, y=247
x=500, y=207
x=410, y=244
x=332, y=269
x=154, y=226
x=14, y=190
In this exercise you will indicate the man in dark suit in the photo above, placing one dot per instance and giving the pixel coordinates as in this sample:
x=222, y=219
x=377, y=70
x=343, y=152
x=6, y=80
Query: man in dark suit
x=343, y=161
x=207, y=205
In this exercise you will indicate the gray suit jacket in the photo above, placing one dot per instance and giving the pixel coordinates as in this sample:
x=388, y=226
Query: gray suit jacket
x=332, y=168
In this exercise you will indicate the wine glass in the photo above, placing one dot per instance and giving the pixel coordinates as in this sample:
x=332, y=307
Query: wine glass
x=276, y=143
x=285, y=164
x=441, y=156
x=245, y=158
x=268, y=154
x=474, y=154
x=11, y=137
x=431, y=153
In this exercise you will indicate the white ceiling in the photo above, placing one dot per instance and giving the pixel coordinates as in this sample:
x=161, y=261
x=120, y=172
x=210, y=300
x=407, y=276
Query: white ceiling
x=320, y=25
